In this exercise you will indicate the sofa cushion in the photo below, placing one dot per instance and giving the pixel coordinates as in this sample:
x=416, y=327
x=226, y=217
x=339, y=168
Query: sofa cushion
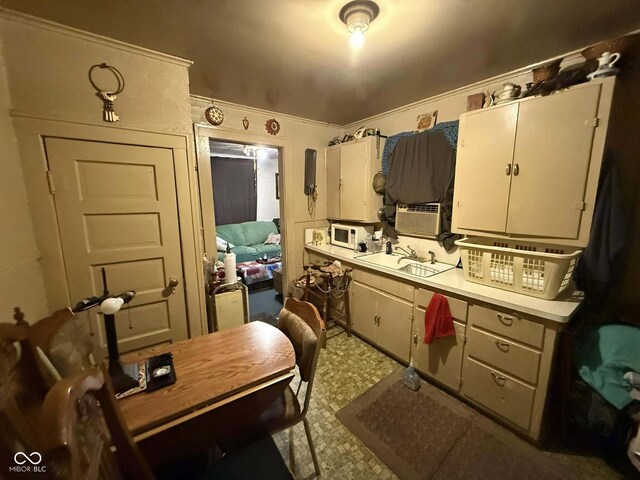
x=257, y=232
x=233, y=233
x=245, y=253
x=270, y=249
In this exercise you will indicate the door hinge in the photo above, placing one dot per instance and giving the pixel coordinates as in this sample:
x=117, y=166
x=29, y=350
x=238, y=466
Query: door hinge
x=592, y=122
x=579, y=205
x=50, y=182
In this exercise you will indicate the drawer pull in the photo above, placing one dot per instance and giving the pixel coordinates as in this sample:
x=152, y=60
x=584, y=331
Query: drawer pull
x=499, y=379
x=503, y=346
x=507, y=321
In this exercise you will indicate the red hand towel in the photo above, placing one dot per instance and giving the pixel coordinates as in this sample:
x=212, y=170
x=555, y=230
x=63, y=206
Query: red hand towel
x=438, y=321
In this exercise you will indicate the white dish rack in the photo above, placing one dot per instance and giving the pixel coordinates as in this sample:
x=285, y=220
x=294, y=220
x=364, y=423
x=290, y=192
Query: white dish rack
x=535, y=269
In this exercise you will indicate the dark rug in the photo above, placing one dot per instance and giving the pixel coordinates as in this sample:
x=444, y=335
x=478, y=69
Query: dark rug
x=430, y=435
x=264, y=317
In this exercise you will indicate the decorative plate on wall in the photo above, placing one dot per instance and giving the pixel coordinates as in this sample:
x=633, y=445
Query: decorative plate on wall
x=272, y=126
x=214, y=115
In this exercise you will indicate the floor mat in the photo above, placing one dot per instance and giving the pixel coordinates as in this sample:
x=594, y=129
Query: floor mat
x=430, y=435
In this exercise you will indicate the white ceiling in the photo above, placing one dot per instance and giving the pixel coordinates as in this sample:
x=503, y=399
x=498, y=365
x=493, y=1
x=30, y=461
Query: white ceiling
x=293, y=56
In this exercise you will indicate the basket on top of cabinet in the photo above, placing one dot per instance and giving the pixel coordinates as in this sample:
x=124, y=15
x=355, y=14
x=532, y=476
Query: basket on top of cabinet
x=534, y=269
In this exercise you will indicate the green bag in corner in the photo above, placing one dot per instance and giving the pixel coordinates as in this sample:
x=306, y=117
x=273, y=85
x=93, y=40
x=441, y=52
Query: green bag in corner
x=603, y=355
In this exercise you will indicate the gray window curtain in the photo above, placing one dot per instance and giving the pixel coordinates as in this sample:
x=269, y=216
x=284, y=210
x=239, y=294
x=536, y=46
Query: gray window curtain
x=234, y=189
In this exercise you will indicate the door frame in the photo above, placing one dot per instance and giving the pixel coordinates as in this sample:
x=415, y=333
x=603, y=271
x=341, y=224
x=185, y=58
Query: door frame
x=203, y=134
x=30, y=133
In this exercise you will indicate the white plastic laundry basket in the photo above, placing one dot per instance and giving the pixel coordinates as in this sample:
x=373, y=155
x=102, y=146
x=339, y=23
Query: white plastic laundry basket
x=535, y=269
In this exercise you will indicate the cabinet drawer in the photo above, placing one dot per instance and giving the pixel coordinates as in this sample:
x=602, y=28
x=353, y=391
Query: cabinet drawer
x=392, y=287
x=498, y=392
x=510, y=357
x=458, y=307
x=507, y=325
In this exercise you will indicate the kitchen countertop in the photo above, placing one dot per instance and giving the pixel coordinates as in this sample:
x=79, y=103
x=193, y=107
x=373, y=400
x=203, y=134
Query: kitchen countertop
x=452, y=281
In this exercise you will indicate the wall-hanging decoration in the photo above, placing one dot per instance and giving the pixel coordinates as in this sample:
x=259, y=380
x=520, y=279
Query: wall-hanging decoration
x=214, y=115
x=475, y=101
x=108, y=114
x=245, y=123
x=426, y=120
x=272, y=126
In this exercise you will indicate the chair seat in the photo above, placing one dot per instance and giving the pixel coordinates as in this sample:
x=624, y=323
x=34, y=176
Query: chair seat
x=283, y=413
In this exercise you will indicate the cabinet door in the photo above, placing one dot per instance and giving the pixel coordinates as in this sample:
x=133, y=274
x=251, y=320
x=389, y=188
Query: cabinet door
x=363, y=310
x=394, y=325
x=354, y=158
x=551, y=163
x=441, y=360
x=333, y=183
x=483, y=168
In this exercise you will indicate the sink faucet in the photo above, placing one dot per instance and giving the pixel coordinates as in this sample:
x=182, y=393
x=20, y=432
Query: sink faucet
x=411, y=254
x=432, y=257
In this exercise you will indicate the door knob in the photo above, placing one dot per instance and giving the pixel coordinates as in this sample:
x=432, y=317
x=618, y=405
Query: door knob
x=173, y=282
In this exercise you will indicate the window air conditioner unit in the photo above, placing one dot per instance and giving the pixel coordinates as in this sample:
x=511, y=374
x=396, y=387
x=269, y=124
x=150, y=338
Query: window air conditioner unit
x=419, y=220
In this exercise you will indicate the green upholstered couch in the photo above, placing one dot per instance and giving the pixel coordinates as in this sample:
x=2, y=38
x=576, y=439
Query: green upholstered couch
x=248, y=240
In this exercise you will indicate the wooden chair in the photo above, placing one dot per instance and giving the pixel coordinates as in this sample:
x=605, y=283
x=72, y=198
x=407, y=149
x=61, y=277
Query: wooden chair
x=22, y=388
x=79, y=421
x=302, y=324
x=326, y=283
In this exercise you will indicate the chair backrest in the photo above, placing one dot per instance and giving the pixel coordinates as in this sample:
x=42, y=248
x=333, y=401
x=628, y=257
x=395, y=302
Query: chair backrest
x=302, y=324
x=65, y=341
x=22, y=388
x=79, y=421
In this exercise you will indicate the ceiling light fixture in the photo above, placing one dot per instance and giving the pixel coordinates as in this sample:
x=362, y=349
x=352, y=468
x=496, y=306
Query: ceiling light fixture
x=357, y=15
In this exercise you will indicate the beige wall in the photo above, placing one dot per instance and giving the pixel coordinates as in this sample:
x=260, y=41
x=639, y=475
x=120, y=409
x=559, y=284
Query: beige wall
x=296, y=135
x=21, y=282
x=47, y=68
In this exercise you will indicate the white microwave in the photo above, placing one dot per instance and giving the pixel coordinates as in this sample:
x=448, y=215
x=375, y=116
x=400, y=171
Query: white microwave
x=349, y=236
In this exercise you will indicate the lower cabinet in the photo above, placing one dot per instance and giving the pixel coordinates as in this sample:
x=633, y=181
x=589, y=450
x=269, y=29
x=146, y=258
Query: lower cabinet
x=507, y=365
x=381, y=318
x=499, y=361
x=442, y=359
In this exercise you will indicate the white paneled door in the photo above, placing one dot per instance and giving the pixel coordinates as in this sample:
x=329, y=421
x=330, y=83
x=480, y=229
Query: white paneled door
x=116, y=207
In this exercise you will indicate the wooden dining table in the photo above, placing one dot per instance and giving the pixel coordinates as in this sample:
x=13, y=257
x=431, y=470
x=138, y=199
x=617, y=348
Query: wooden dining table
x=224, y=381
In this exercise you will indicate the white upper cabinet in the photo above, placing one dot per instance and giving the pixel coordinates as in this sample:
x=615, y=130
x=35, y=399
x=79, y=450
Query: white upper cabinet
x=350, y=170
x=530, y=168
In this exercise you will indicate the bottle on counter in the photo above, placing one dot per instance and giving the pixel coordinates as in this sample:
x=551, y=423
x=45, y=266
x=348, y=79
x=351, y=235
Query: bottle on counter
x=389, y=249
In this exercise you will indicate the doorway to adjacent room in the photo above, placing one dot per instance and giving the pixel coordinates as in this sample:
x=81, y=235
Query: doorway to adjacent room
x=246, y=200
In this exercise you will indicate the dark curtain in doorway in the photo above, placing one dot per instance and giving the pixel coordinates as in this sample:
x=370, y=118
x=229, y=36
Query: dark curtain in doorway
x=234, y=189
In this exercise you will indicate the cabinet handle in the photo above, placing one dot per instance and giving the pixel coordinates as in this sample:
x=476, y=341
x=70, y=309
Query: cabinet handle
x=504, y=346
x=508, y=169
x=499, y=379
x=376, y=320
x=516, y=169
x=415, y=340
x=507, y=321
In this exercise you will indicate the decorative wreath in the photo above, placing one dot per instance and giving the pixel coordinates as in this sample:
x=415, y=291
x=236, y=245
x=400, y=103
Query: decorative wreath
x=272, y=126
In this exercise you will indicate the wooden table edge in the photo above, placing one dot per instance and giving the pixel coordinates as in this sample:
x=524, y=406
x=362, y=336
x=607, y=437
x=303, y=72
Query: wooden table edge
x=207, y=408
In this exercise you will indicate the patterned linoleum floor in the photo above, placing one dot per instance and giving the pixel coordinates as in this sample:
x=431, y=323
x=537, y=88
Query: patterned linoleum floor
x=346, y=369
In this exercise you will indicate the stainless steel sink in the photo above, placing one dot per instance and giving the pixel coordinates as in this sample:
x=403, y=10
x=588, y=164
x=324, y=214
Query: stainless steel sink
x=419, y=270
x=400, y=263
